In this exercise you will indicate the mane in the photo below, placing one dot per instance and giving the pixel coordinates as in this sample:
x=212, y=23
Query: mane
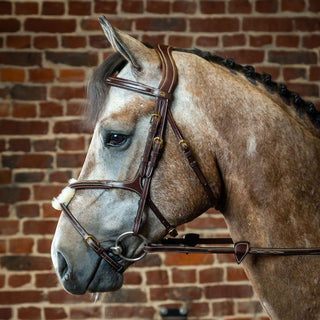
x=97, y=88
x=288, y=97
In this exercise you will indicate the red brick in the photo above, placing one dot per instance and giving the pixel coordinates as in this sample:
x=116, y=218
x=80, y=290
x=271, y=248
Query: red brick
x=307, y=24
x=140, y=312
x=55, y=313
x=19, y=280
x=28, y=161
x=26, y=8
x=105, y=7
x=41, y=75
x=71, y=75
x=214, y=25
x=50, y=25
x=4, y=109
x=4, y=210
x=27, y=177
x=183, y=276
x=45, y=192
x=310, y=90
x=99, y=42
x=175, y=293
x=314, y=6
x=14, y=194
x=5, y=7
x=46, y=280
x=236, y=274
x=20, y=58
x=294, y=73
x=239, y=6
x=187, y=7
x=293, y=5
x=60, y=176
x=70, y=160
x=48, y=211
x=17, y=297
x=178, y=259
x=28, y=93
x=67, y=93
x=267, y=6
x=153, y=39
x=198, y=310
x=18, y=42
x=50, y=109
x=53, y=8
x=27, y=210
x=292, y=57
x=180, y=41
x=6, y=313
x=28, y=313
x=249, y=307
x=45, y=42
x=159, y=7
x=243, y=56
x=207, y=41
x=72, y=143
x=223, y=308
x=267, y=24
x=24, y=110
x=80, y=8
x=131, y=277
x=228, y=291
x=157, y=277
x=61, y=296
x=12, y=75
x=85, y=312
x=74, y=41
x=211, y=275
x=287, y=41
x=9, y=25
x=133, y=6
x=68, y=126
x=311, y=41
x=19, y=145
x=44, y=245
x=210, y=6
x=39, y=227
x=5, y=176
x=161, y=24
x=44, y=145
x=259, y=41
x=234, y=40
x=314, y=73
x=21, y=245
x=9, y=227
x=3, y=246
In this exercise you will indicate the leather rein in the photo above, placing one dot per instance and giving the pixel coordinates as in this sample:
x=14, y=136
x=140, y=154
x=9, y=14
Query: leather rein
x=140, y=184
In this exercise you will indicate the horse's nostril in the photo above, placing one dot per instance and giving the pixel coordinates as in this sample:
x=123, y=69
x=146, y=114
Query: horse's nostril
x=63, y=268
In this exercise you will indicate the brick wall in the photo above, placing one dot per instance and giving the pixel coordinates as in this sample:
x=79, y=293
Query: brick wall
x=48, y=50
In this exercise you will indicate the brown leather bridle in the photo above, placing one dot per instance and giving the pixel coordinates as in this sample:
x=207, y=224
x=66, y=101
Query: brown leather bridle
x=140, y=184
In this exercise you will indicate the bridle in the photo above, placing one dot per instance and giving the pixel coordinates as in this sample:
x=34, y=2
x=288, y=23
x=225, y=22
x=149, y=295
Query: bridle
x=140, y=184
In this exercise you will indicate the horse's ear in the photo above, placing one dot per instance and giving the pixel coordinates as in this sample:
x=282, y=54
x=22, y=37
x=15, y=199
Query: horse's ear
x=131, y=49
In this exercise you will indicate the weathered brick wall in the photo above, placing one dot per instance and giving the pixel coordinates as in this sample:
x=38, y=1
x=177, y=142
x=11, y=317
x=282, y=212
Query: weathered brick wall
x=48, y=50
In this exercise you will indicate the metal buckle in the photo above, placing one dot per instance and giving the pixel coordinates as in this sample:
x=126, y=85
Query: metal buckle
x=92, y=238
x=155, y=115
x=159, y=140
x=117, y=249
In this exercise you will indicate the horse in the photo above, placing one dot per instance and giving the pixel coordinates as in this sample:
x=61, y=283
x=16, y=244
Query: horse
x=251, y=150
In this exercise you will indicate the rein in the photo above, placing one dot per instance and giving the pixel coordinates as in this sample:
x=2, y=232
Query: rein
x=141, y=182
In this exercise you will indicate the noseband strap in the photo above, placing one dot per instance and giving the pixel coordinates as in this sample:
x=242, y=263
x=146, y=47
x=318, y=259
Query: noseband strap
x=140, y=184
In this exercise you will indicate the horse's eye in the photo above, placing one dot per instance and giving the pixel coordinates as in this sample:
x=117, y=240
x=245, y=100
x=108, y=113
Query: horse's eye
x=115, y=139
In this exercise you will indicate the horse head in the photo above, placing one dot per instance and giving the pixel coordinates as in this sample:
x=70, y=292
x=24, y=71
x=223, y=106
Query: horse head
x=124, y=120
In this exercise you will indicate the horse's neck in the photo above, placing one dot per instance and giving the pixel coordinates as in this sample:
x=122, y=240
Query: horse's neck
x=269, y=163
